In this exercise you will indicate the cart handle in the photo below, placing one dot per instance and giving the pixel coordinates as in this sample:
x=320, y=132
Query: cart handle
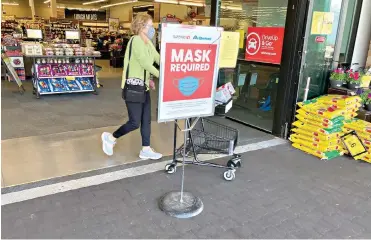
x=191, y=127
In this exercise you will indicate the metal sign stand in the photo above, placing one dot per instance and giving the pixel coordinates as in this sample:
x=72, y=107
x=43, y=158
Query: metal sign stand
x=181, y=204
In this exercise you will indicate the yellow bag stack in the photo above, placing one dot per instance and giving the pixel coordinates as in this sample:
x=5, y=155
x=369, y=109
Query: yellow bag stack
x=363, y=130
x=319, y=125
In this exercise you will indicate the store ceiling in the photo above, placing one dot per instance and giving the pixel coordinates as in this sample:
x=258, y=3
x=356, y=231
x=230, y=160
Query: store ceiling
x=98, y=4
x=230, y=8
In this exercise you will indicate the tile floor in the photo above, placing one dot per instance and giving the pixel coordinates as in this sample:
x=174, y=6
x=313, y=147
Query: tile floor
x=59, y=135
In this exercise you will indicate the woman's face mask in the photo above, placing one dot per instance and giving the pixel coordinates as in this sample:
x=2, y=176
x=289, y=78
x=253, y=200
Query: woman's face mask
x=151, y=32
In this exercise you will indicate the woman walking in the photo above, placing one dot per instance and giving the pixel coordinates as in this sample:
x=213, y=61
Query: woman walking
x=138, y=65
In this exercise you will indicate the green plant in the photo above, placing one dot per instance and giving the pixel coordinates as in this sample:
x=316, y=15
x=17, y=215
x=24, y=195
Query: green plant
x=338, y=75
x=366, y=97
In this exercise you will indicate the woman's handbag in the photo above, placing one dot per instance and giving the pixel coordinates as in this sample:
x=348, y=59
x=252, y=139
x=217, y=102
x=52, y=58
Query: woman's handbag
x=135, y=88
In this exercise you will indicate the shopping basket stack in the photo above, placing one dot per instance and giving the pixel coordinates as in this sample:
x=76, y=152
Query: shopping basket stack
x=210, y=137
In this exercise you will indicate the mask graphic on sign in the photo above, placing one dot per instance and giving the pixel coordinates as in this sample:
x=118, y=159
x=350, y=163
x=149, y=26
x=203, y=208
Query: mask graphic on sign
x=188, y=85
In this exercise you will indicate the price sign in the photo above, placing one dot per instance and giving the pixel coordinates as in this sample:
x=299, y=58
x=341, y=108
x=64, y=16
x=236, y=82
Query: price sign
x=353, y=144
x=70, y=78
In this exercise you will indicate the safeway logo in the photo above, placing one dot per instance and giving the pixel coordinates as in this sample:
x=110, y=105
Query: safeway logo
x=181, y=37
x=201, y=38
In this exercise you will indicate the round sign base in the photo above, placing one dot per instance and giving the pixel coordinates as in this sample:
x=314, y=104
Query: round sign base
x=191, y=206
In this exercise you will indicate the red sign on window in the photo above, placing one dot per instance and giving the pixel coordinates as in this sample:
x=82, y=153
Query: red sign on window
x=320, y=39
x=264, y=44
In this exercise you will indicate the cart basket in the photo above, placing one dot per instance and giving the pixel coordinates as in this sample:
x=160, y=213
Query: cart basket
x=209, y=137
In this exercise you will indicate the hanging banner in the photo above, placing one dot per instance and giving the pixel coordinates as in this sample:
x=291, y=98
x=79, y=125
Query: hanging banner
x=84, y=15
x=189, y=70
x=264, y=44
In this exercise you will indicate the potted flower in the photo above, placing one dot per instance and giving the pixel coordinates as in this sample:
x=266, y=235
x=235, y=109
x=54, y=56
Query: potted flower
x=366, y=99
x=338, y=77
x=115, y=49
x=354, y=80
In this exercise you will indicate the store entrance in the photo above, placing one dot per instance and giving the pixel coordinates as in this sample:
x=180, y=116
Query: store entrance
x=257, y=75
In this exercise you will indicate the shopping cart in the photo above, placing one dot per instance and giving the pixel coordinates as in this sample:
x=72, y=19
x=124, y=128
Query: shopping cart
x=208, y=137
x=97, y=68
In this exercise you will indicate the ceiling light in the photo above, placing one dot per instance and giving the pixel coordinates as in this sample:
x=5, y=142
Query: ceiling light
x=143, y=6
x=10, y=4
x=92, y=2
x=186, y=3
x=231, y=7
x=197, y=4
x=121, y=3
x=167, y=1
x=47, y=1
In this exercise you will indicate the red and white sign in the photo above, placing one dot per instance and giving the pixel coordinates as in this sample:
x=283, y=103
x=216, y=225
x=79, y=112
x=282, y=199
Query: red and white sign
x=188, y=72
x=320, y=39
x=264, y=44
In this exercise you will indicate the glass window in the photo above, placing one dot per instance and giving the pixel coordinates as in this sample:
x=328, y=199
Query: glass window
x=255, y=82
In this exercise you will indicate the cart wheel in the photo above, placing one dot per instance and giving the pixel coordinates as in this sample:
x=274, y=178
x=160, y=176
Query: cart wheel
x=229, y=175
x=170, y=168
x=234, y=163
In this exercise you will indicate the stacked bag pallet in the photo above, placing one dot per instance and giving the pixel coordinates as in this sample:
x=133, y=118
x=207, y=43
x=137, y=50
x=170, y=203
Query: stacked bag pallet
x=319, y=125
x=363, y=130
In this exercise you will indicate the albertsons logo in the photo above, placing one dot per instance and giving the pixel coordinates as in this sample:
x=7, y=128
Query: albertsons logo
x=201, y=38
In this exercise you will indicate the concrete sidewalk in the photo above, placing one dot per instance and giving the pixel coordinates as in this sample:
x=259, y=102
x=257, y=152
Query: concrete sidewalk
x=279, y=193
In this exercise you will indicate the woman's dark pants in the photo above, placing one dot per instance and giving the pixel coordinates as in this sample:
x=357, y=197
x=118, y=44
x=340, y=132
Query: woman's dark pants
x=139, y=116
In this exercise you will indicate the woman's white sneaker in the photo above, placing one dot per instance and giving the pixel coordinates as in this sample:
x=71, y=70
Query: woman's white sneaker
x=149, y=153
x=107, y=143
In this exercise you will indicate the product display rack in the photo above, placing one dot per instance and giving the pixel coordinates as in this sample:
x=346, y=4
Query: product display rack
x=61, y=84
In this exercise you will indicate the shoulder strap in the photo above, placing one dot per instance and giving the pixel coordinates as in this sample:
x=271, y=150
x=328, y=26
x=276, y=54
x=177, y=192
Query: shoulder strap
x=127, y=68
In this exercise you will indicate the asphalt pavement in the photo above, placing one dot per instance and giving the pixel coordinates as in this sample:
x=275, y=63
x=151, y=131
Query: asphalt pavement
x=279, y=192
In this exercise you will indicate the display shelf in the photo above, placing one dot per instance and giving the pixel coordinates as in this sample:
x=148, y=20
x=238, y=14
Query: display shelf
x=87, y=76
x=66, y=92
x=48, y=85
x=64, y=56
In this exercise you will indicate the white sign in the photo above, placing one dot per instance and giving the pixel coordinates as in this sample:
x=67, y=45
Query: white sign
x=188, y=71
x=72, y=35
x=113, y=24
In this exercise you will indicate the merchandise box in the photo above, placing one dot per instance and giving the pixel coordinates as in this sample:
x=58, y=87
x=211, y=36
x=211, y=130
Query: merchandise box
x=85, y=83
x=86, y=69
x=44, y=70
x=58, y=84
x=43, y=86
x=73, y=85
x=59, y=70
x=72, y=69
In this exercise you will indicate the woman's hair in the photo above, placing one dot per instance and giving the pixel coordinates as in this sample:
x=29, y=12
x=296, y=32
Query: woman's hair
x=139, y=22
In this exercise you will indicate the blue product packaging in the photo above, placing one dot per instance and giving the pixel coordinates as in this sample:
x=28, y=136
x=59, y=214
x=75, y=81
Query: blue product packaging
x=58, y=85
x=43, y=86
x=85, y=83
x=72, y=85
